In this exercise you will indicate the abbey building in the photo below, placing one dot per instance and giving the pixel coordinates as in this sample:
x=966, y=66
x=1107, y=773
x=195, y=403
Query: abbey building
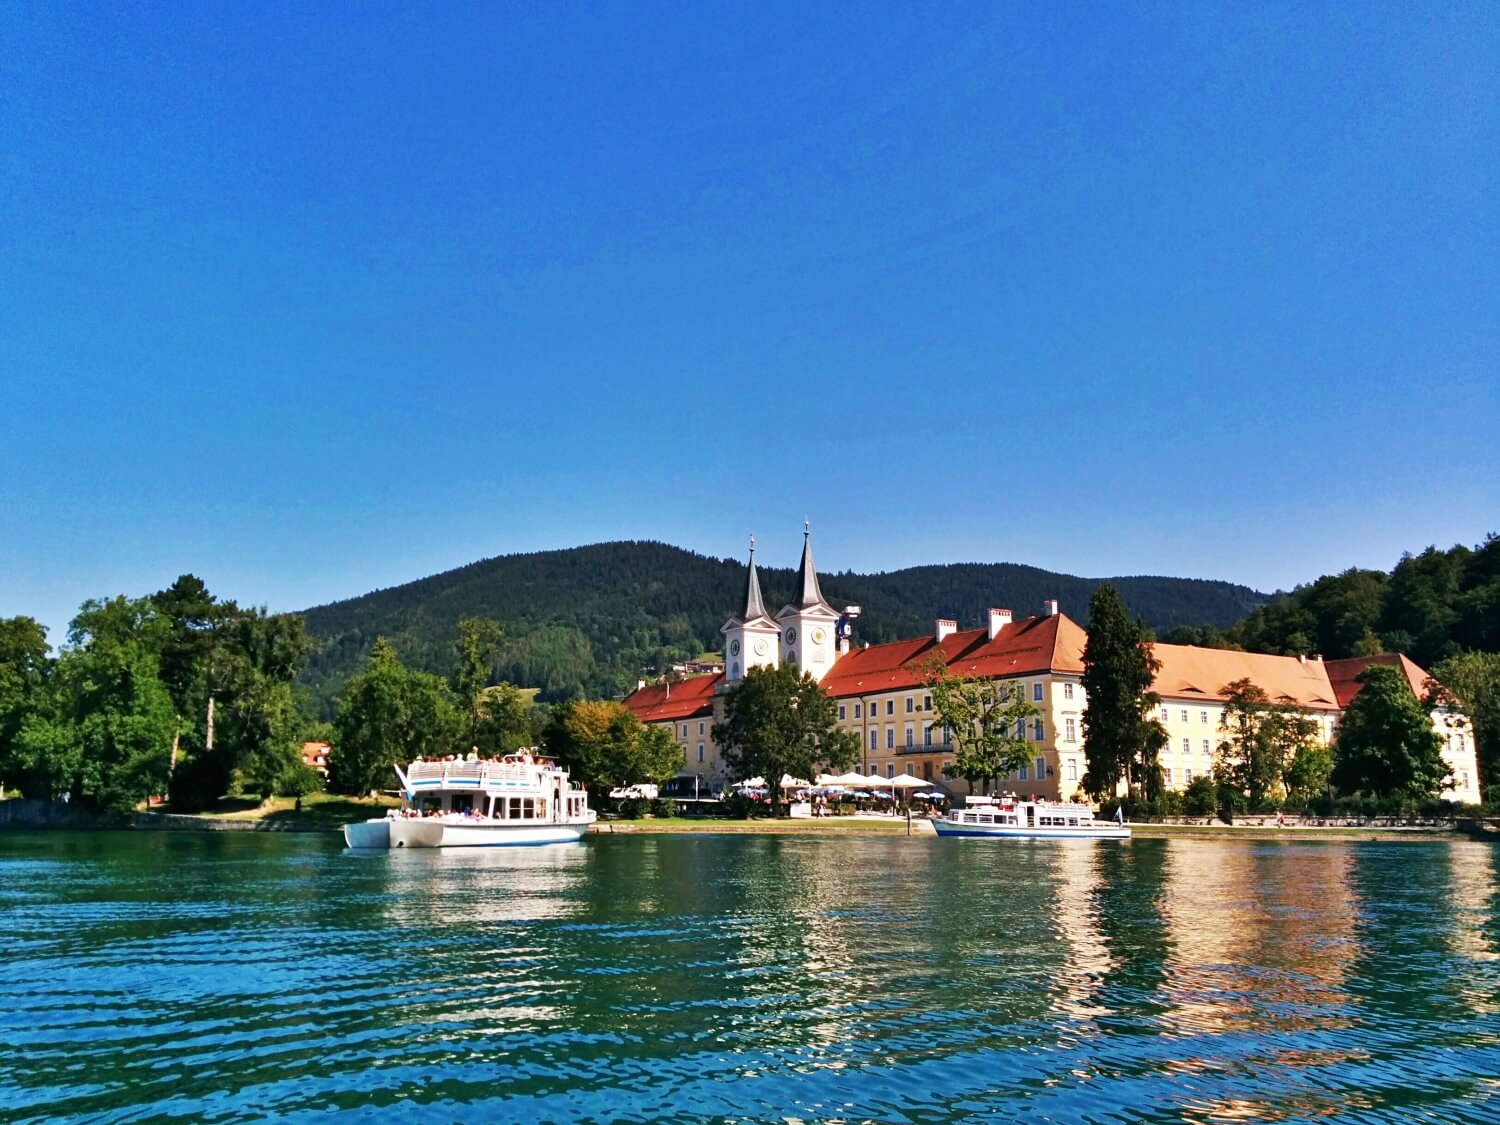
x=882, y=701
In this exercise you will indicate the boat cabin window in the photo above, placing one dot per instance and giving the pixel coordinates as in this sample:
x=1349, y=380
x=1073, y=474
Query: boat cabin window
x=1072, y=822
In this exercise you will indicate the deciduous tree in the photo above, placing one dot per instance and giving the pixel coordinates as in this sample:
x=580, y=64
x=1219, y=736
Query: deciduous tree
x=1386, y=745
x=983, y=716
x=389, y=715
x=1470, y=683
x=779, y=721
x=603, y=744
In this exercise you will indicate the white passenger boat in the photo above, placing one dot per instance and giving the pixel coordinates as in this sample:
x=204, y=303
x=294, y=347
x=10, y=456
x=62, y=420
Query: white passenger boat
x=518, y=799
x=1012, y=816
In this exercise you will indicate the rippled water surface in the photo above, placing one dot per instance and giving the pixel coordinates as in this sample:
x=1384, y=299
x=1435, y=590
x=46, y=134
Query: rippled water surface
x=728, y=978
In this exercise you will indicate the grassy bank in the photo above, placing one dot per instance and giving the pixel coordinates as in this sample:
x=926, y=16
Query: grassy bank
x=833, y=825
x=320, y=812
x=1270, y=832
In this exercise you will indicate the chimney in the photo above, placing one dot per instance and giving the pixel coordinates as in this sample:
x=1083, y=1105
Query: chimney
x=945, y=627
x=669, y=691
x=1049, y=607
x=639, y=684
x=999, y=619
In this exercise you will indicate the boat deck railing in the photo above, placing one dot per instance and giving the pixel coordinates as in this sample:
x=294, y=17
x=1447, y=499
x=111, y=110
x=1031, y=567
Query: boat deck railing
x=481, y=773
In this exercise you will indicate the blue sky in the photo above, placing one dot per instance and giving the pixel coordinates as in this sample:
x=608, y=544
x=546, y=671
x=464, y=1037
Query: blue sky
x=309, y=301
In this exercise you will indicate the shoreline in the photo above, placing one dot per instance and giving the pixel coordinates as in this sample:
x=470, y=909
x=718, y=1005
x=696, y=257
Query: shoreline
x=319, y=819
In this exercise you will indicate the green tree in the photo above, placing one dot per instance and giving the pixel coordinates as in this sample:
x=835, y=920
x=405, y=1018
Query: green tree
x=1386, y=745
x=1122, y=739
x=1243, y=763
x=505, y=720
x=779, y=721
x=389, y=715
x=603, y=744
x=25, y=667
x=1307, y=772
x=1201, y=797
x=1470, y=682
x=478, y=645
x=983, y=717
x=112, y=697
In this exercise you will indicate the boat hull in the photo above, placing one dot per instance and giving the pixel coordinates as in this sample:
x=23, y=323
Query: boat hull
x=1095, y=832
x=442, y=833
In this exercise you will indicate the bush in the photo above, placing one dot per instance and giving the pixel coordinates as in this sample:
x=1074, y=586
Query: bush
x=741, y=807
x=299, y=781
x=665, y=806
x=1199, y=798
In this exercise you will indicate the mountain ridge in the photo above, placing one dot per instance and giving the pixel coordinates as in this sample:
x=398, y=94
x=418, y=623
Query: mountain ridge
x=592, y=618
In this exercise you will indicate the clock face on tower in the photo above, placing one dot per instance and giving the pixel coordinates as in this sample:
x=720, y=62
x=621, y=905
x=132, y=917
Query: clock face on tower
x=817, y=636
x=734, y=648
x=791, y=636
x=760, y=647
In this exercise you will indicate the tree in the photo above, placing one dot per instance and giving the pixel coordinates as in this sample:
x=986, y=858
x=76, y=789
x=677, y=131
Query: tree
x=1122, y=739
x=389, y=715
x=779, y=721
x=1243, y=762
x=1386, y=745
x=478, y=644
x=1200, y=798
x=115, y=715
x=1307, y=773
x=24, y=671
x=505, y=720
x=1470, y=682
x=983, y=717
x=603, y=744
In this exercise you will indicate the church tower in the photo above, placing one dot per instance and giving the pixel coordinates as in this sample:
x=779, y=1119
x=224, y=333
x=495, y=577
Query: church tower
x=807, y=622
x=750, y=636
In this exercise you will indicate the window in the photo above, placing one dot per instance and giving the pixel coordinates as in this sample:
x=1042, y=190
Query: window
x=1036, y=693
x=911, y=705
x=1187, y=776
x=1067, y=691
x=910, y=736
x=927, y=703
x=1070, y=726
x=890, y=769
x=684, y=730
x=1038, y=730
x=890, y=738
x=890, y=706
x=948, y=769
x=700, y=728
x=1184, y=716
x=1041, y=769
x=1203, y=716
x=856, y=710
x=1020, y=728
x=1166, y=716
x=1166, y=775
x=1206, y=750
x=700, y=751
x=842, y=716
x=875, y=738
x=1023, y=774
x=1187, y=745
x=947, y=736
x=927, y=735
x=1072, y=769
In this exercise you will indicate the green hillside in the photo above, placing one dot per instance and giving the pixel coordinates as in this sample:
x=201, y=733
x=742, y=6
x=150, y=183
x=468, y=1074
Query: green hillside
x=593, y=619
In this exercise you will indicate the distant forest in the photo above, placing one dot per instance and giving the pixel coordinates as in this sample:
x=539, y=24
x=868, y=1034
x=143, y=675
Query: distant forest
x=1430, y=606
x=592, y=620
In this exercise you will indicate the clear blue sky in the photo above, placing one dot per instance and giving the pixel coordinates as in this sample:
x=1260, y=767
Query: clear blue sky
x=311, y=302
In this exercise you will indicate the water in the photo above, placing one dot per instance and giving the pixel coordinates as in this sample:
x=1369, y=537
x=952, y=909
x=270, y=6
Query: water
x=723, y=978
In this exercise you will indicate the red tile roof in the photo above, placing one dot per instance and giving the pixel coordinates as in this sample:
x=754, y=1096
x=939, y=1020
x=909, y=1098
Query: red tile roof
x=1022, y=648
x=1343, y=674
x=686, y=699
x=1188, y=671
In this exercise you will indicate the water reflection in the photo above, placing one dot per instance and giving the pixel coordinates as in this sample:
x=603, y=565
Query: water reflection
x=760, y=978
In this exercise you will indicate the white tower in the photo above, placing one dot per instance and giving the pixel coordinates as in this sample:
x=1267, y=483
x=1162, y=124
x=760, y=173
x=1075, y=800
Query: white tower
x=807, y=622
x=749, y=637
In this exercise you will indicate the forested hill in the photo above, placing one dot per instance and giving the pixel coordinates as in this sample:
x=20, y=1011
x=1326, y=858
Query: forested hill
x=593, y=619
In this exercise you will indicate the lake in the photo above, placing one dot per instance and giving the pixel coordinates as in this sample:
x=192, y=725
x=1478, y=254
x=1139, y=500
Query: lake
x=238, y=977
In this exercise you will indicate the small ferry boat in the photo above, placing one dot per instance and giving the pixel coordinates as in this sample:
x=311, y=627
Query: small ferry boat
x=519, y=799
x=1012, y=816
